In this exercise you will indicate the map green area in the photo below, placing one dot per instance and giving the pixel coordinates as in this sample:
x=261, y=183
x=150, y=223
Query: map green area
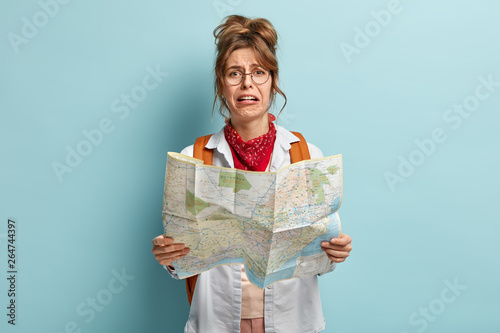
x=233, y=180
x=272, y=222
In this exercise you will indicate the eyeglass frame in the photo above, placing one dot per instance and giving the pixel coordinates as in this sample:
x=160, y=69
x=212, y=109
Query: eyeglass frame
x=269, y=74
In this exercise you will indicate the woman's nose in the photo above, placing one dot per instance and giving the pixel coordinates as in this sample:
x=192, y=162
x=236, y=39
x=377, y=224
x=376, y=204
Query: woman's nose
x=247, y=80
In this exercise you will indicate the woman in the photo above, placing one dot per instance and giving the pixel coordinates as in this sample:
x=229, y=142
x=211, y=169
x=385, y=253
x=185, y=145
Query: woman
x=246, y=84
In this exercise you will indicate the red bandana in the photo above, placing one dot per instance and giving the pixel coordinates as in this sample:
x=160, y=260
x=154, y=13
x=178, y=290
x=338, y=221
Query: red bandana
x=254, y=154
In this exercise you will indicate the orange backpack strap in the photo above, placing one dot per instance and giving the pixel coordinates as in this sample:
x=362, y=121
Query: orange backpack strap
x=190, y=284
x=207, y=155
x=299, y=150
x=202, y=153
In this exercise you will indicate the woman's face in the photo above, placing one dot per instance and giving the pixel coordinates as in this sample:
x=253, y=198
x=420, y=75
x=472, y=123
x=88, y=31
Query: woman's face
x=246, y=109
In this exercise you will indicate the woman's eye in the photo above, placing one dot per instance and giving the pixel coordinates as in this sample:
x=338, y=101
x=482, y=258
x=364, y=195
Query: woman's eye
x=234, y=74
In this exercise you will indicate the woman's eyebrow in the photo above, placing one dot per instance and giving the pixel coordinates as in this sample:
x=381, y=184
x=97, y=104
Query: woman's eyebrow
x=251, y=65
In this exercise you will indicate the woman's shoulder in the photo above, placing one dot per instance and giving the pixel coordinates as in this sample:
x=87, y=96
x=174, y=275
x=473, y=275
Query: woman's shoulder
x=188, y=151
x=314, y=151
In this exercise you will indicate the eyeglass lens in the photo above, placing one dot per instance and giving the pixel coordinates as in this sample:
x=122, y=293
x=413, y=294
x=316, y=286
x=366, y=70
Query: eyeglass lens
x=258, y=75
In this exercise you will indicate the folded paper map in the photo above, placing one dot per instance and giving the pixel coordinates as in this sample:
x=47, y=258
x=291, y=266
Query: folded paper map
x=272, y=222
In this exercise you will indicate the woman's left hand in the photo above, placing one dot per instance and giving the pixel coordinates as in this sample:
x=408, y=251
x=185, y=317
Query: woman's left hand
x=337, y=249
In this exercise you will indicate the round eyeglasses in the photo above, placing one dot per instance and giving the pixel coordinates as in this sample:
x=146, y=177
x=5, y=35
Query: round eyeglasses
x=235, y=76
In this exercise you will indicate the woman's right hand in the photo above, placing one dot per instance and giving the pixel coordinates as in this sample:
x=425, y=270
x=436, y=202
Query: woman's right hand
x=166, y=251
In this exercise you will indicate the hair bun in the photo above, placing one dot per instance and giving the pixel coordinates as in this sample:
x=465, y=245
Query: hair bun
x=240, y=25
x=243, y=31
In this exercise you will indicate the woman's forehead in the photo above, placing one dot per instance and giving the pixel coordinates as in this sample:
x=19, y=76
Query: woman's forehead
x=242, y=58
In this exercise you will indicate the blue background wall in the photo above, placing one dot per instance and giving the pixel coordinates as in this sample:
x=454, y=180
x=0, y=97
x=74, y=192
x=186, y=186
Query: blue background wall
x=372, y=80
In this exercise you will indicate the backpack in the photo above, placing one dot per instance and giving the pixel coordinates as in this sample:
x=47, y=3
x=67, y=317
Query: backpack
x=298, y=152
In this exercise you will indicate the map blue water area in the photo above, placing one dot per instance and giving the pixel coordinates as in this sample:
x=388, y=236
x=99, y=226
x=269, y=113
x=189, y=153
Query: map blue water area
x=335, y=204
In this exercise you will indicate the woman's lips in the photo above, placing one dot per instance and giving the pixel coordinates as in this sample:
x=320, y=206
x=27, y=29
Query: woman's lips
x=247, y=99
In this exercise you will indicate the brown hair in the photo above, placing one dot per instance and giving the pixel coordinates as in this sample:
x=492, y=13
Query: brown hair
x=239, y=32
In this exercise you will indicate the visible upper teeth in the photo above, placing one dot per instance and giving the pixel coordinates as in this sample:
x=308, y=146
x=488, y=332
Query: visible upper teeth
x=247, y=97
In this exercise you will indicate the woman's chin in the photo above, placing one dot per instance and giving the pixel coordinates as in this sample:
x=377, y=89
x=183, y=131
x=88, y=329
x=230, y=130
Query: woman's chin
x=248, y=114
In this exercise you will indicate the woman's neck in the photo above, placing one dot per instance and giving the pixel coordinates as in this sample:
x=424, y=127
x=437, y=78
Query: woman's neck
x=252, y=129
